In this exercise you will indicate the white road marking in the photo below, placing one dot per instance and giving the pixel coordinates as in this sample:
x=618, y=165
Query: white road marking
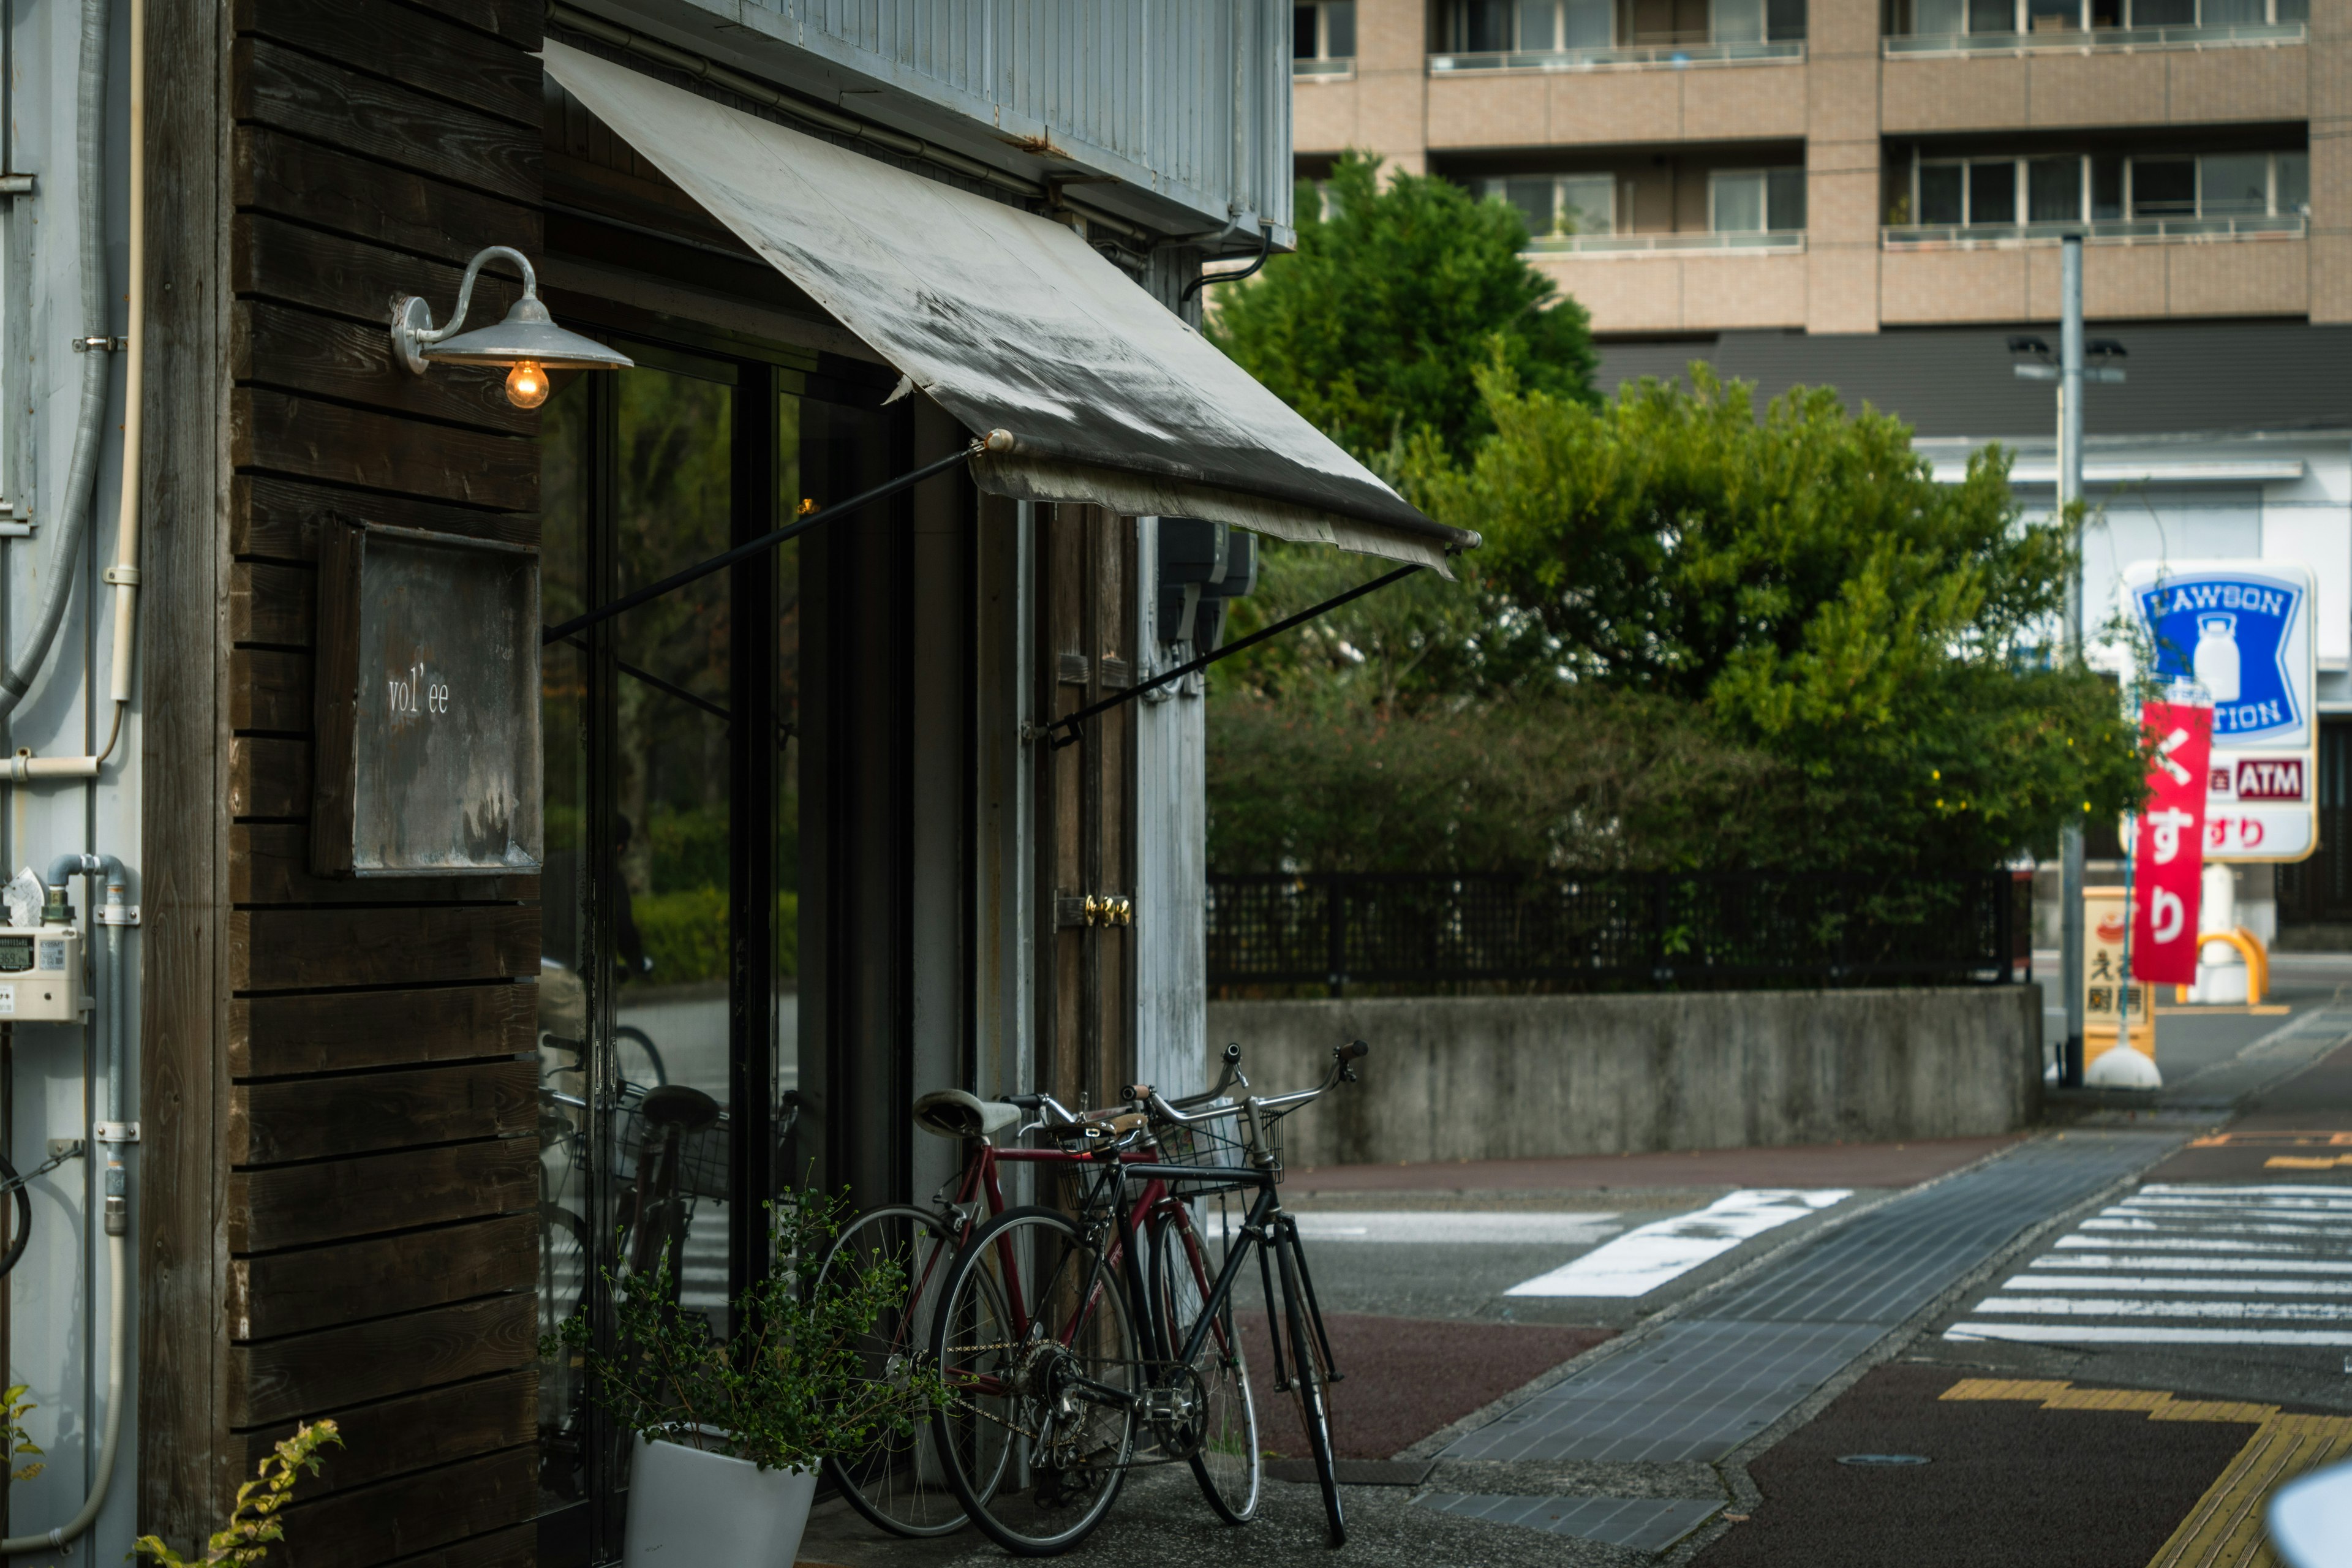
x=2114, y=1219
x=2251, y=1264
x=1422, y=1226
x=2102, y=1334
x=2180, y=1244
x=2076, y=1307
x=2165, y=1282
x=1642, y=1259
x=2252, y=1251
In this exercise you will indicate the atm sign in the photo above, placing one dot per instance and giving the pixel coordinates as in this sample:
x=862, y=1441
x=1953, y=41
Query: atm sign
x=2258, y=778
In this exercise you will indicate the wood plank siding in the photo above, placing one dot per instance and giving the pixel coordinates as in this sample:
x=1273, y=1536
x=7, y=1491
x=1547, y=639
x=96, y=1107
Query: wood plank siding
x=340, y=1203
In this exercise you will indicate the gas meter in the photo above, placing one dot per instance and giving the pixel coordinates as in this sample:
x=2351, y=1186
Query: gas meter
x=40, y=975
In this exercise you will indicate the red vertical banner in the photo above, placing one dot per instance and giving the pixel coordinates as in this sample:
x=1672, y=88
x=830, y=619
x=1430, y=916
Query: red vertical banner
x=2169, y=851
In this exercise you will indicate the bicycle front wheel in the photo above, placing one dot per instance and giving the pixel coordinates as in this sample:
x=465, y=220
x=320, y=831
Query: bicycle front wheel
x=1038, y=1351
x=896, y=1483
x=1310, y=1378
x=1221, y=1434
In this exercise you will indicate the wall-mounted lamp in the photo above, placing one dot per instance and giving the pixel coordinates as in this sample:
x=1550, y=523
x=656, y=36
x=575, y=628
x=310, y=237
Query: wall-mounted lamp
x=528, y=342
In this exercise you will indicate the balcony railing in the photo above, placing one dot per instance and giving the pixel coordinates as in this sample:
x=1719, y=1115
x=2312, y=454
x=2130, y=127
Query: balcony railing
x=1630, y=55
x=1786, y=239
x=2110, y=231
x=1325, y=68
x=2097, y=40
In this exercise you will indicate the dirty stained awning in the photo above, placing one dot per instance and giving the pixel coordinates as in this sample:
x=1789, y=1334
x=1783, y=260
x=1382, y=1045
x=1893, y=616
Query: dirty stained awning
x=1010, y=322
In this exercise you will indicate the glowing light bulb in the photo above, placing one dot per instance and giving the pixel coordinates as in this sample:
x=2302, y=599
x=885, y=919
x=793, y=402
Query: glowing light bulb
x=527, y=385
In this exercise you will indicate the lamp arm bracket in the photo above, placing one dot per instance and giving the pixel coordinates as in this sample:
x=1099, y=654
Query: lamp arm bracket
x=413, y=330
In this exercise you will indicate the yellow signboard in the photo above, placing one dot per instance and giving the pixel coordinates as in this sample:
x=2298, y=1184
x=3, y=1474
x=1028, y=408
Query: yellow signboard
x=2104, y=990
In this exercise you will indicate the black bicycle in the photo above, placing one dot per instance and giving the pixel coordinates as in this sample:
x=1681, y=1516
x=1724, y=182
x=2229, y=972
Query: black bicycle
x=1074, y=1347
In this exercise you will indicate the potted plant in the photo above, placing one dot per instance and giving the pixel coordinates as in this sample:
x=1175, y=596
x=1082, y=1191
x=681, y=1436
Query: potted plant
x=726, y=1435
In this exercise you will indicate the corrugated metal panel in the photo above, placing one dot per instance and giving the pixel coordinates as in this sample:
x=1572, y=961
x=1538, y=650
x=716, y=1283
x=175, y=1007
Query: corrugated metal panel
x=2183, y=377
x=1189, y=98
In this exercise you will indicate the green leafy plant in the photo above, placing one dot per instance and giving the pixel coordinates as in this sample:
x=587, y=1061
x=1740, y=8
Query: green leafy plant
x=253, y=1523
x=1375, y=329
x=14, y=1408
x=790, y=1385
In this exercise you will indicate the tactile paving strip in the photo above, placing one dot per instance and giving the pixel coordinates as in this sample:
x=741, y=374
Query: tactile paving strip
x=1648, y=1524
x=1701, y=1386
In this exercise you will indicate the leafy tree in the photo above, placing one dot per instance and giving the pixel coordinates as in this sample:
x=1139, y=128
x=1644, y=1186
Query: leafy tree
x=1803, y=580
x=1373, y=329
x=1592, y=779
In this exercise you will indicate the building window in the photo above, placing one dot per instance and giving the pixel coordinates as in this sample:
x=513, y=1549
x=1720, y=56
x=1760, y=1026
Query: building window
x=2093, y=188
x=1756, y=201
x=2013, y=18
x=1323, y=37
x=1555, y=26
x=1558, y=203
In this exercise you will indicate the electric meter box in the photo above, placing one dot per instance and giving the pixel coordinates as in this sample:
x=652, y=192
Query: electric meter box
x=40, y=975
x=427, y=701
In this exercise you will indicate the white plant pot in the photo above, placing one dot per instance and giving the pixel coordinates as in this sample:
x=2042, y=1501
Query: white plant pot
x=688, y=1509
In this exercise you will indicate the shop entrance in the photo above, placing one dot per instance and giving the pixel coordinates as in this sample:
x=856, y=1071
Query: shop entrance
x=698, y=749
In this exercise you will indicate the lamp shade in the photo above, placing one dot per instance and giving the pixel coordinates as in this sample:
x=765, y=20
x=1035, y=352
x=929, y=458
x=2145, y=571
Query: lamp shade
x=527, y=333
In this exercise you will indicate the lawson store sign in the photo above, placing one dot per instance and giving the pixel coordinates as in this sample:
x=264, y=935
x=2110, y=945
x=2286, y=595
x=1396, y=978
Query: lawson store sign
x=2242, y=630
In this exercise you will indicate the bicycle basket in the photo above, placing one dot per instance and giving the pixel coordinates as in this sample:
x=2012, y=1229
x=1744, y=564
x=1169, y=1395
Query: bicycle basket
x=701, y=1157
x=1216, y=1150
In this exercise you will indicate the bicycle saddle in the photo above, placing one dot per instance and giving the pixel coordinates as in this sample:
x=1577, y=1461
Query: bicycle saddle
x=953, y=1113
x=676, y=1105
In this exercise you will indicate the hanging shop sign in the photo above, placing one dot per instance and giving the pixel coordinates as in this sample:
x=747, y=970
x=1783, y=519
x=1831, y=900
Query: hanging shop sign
x=2243, y=631
x=426, y=705
x=2168, y=859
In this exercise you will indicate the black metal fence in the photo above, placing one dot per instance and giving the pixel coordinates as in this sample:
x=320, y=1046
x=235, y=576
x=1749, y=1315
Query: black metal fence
x=1617, y=930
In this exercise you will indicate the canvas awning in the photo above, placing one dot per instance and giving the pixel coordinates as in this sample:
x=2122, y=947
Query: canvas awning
x=1011, y=323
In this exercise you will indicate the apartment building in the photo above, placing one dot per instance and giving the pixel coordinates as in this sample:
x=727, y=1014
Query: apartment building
x=1858, y=166
x=1869, y=194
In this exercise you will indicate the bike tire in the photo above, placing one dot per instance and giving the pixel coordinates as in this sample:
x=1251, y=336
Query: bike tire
x=1007, y=1380
x=635, y=1060
x=886, y=1484
x=1309, y=1379
x=1226, y=1460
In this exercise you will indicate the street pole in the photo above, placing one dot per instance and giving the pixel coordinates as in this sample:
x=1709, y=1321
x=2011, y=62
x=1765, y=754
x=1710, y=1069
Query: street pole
x=2070, y=496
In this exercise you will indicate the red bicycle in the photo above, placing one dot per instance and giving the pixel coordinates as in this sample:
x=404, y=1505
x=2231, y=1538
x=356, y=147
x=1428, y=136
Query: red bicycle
x=1074, y=1347
x=898, y=1483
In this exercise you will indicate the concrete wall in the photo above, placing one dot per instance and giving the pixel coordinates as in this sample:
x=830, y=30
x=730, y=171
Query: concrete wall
x=1520, y=1077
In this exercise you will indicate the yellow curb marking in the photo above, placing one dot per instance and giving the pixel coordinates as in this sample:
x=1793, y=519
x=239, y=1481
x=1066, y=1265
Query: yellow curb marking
x=2225, y=1529
x=2297, y=1162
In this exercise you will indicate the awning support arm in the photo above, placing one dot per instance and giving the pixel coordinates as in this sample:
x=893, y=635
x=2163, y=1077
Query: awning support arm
x=994, y=441
x=1064, y=731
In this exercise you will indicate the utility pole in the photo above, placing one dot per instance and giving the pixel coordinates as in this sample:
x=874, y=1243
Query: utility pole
x=2070, y=496
x=2072, y=373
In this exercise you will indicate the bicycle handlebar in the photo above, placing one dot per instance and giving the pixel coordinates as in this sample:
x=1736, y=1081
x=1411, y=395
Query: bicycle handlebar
x=1166, y=1110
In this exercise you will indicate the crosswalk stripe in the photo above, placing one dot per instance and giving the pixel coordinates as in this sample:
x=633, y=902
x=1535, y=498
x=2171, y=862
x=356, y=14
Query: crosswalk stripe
x=2121, y=1282
x=2076, y=1307
x=2193, y=1264
x=2187, y=1264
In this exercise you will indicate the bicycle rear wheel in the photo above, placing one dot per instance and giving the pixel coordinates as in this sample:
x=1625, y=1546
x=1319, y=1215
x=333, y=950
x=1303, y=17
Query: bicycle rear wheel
x=896, y=1483
x=1039, y=1354
x=1223, y=1432
x=1310, y=1378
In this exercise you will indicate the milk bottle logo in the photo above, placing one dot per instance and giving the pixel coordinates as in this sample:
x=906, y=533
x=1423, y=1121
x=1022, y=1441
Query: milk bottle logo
x=2216, y=659
x=2230, y=630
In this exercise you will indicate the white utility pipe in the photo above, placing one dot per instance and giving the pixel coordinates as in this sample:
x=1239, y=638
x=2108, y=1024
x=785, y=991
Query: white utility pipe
x=118, y=1259
x=124, y=576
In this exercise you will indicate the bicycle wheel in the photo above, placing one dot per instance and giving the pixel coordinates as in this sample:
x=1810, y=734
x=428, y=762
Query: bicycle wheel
x=1039, y=1354
x=1309, y=1376
x=896, y=1483
x=1222, y=1434
x=634, y=1059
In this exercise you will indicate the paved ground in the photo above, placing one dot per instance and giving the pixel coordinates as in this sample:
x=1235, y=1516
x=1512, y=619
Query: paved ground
x=1707, y=1414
